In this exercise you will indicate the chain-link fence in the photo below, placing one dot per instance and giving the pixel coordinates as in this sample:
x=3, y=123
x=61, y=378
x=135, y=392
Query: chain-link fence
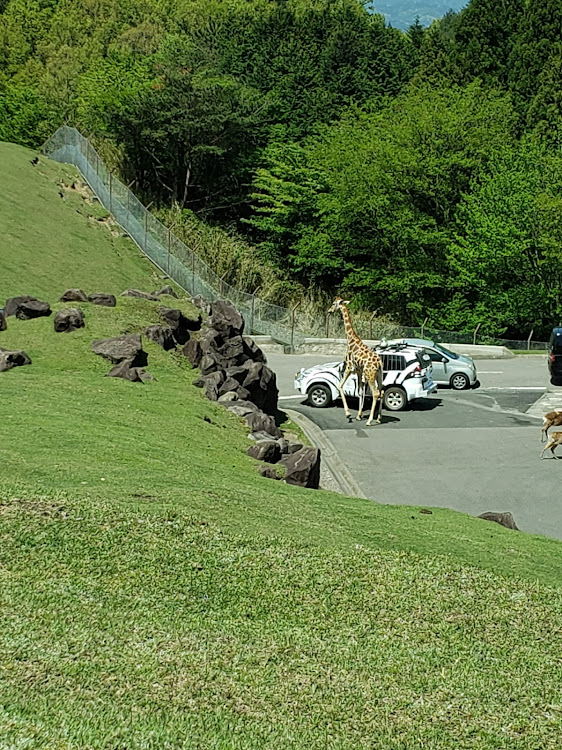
x=196, y=277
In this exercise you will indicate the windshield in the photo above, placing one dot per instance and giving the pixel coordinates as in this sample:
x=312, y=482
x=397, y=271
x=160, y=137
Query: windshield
x=452, y=355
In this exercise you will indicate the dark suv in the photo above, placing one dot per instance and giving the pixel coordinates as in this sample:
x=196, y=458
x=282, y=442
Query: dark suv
x=555, y=356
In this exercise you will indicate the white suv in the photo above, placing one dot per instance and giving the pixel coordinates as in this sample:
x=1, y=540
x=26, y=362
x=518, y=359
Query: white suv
x=406, y=371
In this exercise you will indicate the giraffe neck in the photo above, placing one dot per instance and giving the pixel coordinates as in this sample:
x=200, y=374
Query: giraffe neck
x=352, y=337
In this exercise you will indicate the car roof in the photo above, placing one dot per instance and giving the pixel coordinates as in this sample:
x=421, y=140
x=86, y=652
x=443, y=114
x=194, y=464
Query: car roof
x=413, y=342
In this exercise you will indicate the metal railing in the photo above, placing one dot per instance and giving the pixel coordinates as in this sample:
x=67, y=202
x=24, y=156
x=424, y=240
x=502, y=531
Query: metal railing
x=196, y=277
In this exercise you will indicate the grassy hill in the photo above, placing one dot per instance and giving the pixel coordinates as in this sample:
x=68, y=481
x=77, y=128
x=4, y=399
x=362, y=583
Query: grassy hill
x=155, y=592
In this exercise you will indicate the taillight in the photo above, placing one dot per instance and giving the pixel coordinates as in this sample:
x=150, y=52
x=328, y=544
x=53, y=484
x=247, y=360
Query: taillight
x=553, y=358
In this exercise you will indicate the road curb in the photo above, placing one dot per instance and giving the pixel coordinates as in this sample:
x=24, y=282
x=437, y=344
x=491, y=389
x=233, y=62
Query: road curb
x=336, y=466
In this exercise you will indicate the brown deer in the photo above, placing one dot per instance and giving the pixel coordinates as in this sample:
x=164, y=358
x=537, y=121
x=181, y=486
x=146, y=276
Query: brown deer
x=551, y=419
x=554, y=441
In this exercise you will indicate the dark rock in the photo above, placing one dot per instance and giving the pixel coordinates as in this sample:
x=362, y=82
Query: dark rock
x=210, y=363
x=283, y=445
x=504, y=519
x=11, y=359
x=261, y=382
x=69, y=320
x=229, y=385
x=232, y=352
x=257, y=420
x=266, y=450
x=179, y=323
x=125, y=371
x=210, y=340
x=238, y=373
x=166, y=290
x=3, y=324
x=122, y=348
x=303, y=468
x=225, y=319
x=227, y=398
x=192, y=350
x=12, y=304
x=241, y=408
x=139, y=295
x=33, y=308
x=253, y=351
x=106, y=300
x=212, y=383
x=294, y=447
x=260, y=436
x=161, y=335
x=268, y=472
x=242, y=393
x=74, y=295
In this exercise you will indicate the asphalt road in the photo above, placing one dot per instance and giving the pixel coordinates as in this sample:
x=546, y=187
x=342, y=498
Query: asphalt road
x=472, y=451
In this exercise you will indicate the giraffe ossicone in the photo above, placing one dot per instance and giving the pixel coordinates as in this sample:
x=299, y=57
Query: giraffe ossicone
x=361, y=361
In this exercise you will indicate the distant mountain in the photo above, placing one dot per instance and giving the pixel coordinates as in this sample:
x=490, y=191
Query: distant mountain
x=402, y=13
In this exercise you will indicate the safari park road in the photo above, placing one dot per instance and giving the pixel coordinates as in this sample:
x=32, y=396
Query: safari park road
x=473, y=451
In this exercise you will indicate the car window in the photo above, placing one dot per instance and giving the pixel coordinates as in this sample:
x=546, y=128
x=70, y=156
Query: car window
x=392, y=362
x=434, y=356
x=448, y=353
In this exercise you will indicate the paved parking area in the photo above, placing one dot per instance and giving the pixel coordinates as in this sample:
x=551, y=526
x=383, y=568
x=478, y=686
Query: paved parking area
x=472, y=451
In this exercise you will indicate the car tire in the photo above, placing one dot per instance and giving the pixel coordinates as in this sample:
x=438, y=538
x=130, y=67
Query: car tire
x=319, y=396
x=395, y=399
x=459, y=381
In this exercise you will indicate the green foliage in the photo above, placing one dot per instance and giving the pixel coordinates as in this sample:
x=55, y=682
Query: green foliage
x=24, y=116
x=507, y=260
x=370, y=202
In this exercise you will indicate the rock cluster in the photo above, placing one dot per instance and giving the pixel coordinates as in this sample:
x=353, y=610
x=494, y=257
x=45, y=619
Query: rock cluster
x=234, y=372
x=128, y=356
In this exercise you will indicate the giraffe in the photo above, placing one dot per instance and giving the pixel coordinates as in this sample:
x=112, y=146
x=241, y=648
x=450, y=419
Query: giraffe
x=361, y=361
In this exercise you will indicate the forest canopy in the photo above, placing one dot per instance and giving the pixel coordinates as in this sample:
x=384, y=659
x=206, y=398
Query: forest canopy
x=417, y=172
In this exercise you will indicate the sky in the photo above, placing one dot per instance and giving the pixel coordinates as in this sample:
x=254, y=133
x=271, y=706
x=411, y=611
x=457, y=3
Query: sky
x=402, y=13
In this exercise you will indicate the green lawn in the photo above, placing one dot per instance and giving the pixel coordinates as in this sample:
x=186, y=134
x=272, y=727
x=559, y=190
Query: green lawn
x=155, y=592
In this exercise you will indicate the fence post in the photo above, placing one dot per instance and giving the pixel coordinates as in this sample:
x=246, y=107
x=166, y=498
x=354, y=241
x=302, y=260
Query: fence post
x=529, y=340
x=293, y=311
x=423, y=326
x=327, y=325
x=475, y=332
x=111, y=192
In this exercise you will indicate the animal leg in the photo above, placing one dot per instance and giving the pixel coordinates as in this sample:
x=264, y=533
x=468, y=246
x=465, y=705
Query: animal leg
x=544, y=433
x=341, y=384
x=552, y=445
x=362, y=389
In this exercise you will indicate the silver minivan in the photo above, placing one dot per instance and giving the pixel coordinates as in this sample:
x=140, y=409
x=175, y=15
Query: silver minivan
x=455, y=370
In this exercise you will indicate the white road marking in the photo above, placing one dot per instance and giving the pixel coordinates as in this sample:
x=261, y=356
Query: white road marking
x=490, y=372
x=513, y=388
x=284, y=398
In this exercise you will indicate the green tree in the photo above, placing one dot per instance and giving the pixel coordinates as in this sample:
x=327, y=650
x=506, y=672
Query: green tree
x=507, y=258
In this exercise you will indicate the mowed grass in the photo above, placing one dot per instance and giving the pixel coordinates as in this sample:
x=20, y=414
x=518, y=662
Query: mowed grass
x=155, y=592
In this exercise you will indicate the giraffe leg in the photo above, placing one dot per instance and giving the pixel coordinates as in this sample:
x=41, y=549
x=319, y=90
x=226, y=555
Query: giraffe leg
x=341, y=384
x=362, y=388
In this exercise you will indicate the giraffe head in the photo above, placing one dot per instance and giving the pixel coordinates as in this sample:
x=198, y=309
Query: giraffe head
x=337, y=304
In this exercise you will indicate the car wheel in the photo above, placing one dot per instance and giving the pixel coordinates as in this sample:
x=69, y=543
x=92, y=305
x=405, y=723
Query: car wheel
x=459, y=381
x=395, y=399
x=319, y=396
